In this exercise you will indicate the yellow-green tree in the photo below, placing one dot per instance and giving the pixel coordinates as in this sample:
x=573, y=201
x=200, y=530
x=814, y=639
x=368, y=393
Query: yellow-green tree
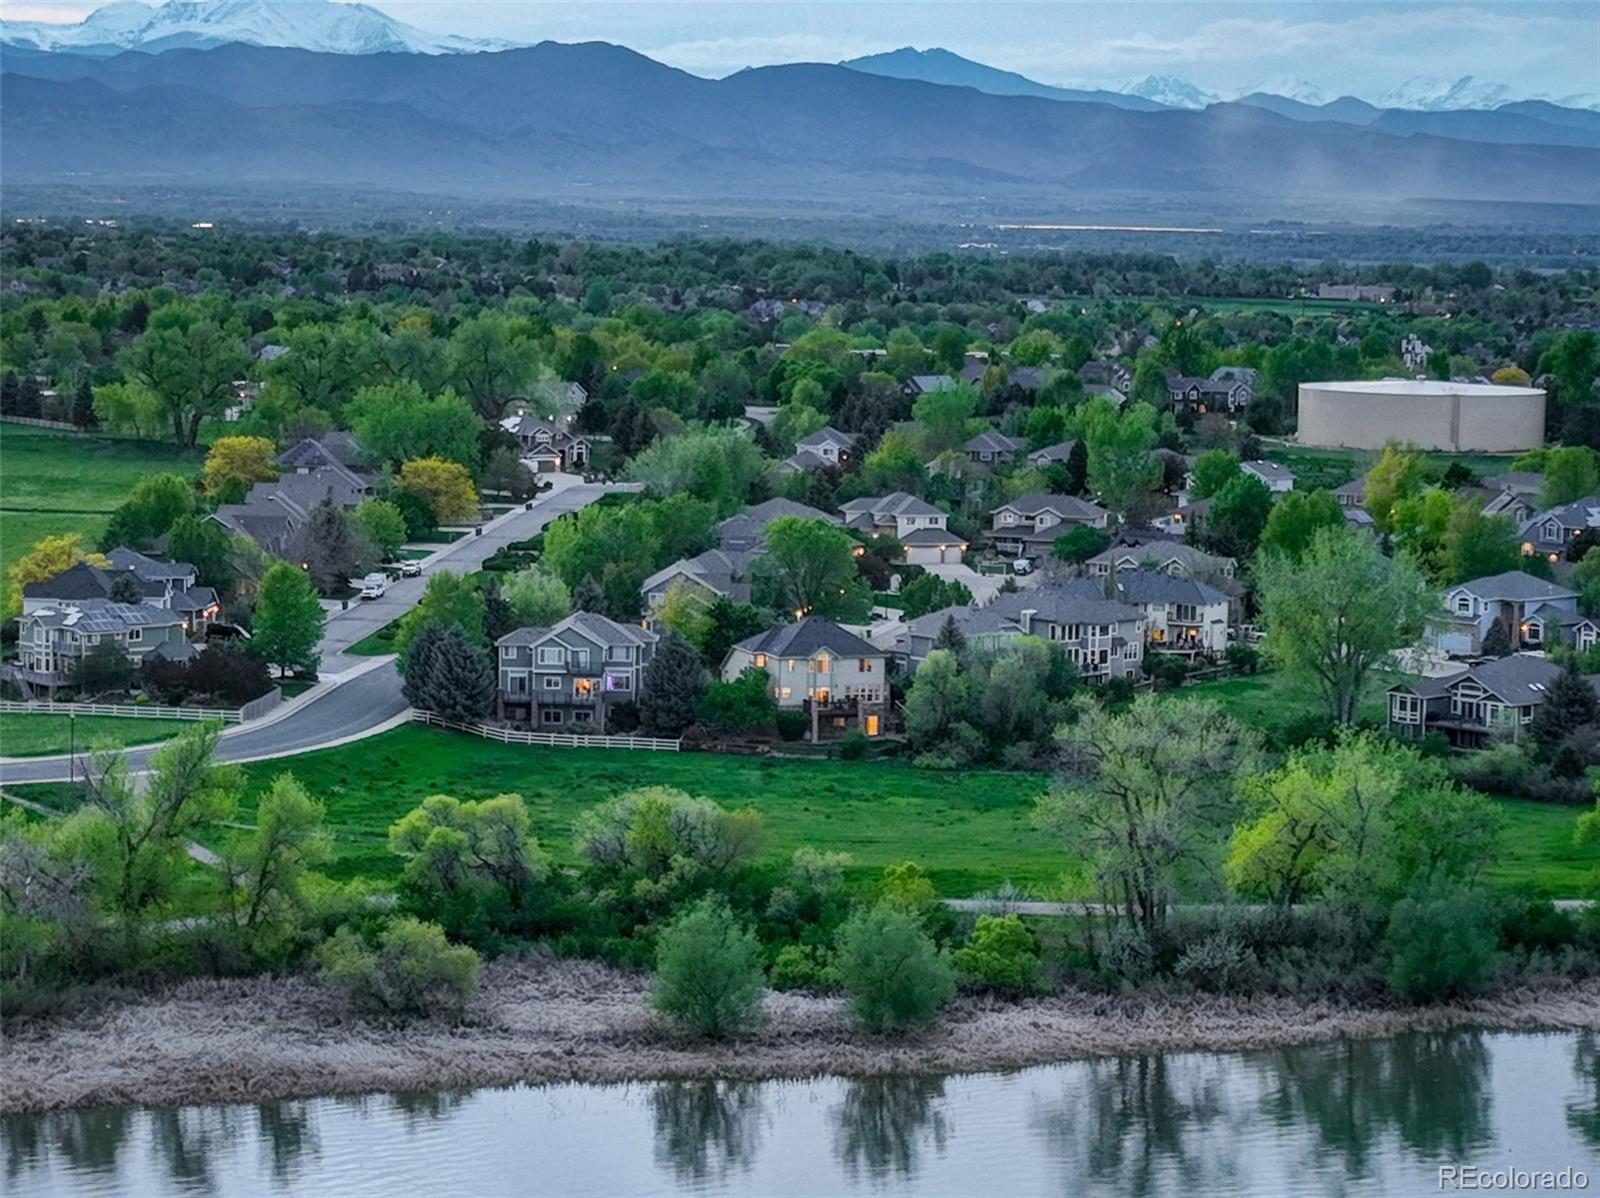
x=445, y=485
x=48, y=557
x=1397, y=474
x=235, y=462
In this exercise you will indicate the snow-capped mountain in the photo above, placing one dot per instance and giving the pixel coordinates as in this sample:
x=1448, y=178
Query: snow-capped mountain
x=1425, y=94
x=303, y=24
x=1290, y=87
x=1169, y=90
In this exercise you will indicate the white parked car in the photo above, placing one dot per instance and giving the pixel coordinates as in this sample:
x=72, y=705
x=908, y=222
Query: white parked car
x=410, y=569
x=1023, y=565
x=374, y=585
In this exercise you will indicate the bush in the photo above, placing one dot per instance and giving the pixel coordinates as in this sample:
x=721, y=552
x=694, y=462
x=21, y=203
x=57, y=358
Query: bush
x=792, y=725
x=1242, y=657
x=1166, y=670
x=1219, y=962
x=1535, y=925
x=1000, y=954
x=413, y=971
x=803, y=967
x=853, y=745
x=708, y=972
x=1439, y=944
x=1117, y=690
x=890, y=967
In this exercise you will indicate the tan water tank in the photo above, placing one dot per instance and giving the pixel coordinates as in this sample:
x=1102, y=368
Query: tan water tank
x=1459, y=417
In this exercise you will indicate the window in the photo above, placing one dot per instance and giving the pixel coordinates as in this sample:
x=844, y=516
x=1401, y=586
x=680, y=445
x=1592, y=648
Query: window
x=761, y=661
x=517, y=684
x=872, y=725
x=784, y=692
x=620, y=653
x=820, y=694
x=552, y=656
x=136, y=634
x=865, y=665
x=583, y=688
x=1405, y=709
x=619, y=682
x=823, y=664
x=507, y=652
x=551, y=683
x=549, y=716
x=1464, y=604
x=580, y=659
x=583, y=717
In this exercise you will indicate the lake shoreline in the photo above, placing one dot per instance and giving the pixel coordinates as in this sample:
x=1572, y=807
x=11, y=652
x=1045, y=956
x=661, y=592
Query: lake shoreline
x=542, y=1021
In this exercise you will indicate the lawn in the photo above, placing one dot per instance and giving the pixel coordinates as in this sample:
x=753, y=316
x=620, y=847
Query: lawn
x=377, y=643
x=1269, y=703
x=1538, y=854
x=55, y=482
x=1329, y=468
x=970, y=830
x=37, y=735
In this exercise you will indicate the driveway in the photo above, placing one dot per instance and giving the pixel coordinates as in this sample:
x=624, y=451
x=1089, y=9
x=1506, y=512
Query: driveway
x=984, y=587
x=360, y=695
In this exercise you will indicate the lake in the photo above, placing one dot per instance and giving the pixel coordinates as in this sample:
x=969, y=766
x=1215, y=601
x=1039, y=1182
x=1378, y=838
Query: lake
x=1372, y=1117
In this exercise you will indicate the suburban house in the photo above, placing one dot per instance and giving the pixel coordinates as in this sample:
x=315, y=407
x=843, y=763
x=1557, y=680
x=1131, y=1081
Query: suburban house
x=1050, y=454
x=1027, y=378
x=1471, y=706
x=1176, y=523
x=1105, y=374
x=316, y=469
x=333, y=450
x=1237, y=374
x=1534, y=613
x=825, y=448
x=1352, y=494
x=548, y=448
x=51, y=640
x=1102, y=637
x=973, y=367
x=1187, y=394
x=1029, y=525
x=1548, y=532
x=898, y=514
x=169, y=586
x=921, y=384
x=990, y=447
x=1278, y=479
x=1515, y=495
x=745, y=532
x=1181, y=615
x=558, y=399
x=984, y=629
x=1170, y=557
x=572, y=676
x=815, y=666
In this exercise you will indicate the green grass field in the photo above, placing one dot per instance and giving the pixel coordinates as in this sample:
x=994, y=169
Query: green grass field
x=54, y=482
x=1268, y=703
x=1329, y=468
x=377, y=643
x=37, y=735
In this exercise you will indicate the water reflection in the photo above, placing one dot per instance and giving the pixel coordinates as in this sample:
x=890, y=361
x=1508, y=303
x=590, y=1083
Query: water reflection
x=707, y=1129
x=884, y=1124
x=1369, y=1118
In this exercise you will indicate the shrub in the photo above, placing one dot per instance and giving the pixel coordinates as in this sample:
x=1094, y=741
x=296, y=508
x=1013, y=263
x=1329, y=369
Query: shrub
x=708, y=972
x=1242, y=657
x=413, y=971
x=1439, y=944
x=853, y=745
x=1117, y=690
x=1219, y=962
x=803, y=967
x=907, y=888
x=792, y=725
x=1000, y=954
x=890, y=967
x=1128, y=955
x=1165, y=670
x=1536, y=925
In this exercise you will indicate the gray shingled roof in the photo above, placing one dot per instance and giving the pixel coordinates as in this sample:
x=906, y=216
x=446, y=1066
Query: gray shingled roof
x=1157, y=586
x=724, y=571
x=932, y=536
x=1269, y=471
x=1067, y=604
x=806, y=637
x=592, y=625
x=993, y=442
x=971, y=620
x=99, y=615
x=1065, y=506
x=826, y=435
x=896, y=503
x=1516, y=587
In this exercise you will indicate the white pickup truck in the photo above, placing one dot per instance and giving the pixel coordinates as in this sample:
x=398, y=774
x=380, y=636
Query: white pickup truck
x=374, y=585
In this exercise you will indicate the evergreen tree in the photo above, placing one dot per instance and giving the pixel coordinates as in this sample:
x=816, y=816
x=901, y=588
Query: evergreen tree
x=328, y=548
x=1569, y=704
x=29, y=398
x=730, y=623
x=589, y=595
x=1077, y=467
x=951, y=637
x=10, y=393
x=671, y=688
x=453, y=678
x=83, y=407
x=1496, y=642
x=125, y=589
x=416, y=661
x=498, y=616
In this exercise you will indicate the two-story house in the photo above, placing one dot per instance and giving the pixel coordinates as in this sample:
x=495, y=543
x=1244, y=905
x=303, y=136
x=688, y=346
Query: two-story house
x=725, y=572
x=1028, y=525
x=1548, y=532
x=169, y=586
x=1106, y=374
x=1197, y=395
x=991, y=448
x=983, y=630
x=1102, y=637
x=1533, y=614
x=827, y=448
x=571, y=676
x=52, y=639
x=1052, y=454
x=897, y=515
x=1474, y=705
x=746, y=531
x=1515, y=495
x=1170, y=557
x=1181, y=615
x=547, y=447
x=815, y=666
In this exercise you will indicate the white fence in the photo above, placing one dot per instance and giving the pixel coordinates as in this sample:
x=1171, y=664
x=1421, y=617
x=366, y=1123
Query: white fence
x=136, y=711
x=511, y=736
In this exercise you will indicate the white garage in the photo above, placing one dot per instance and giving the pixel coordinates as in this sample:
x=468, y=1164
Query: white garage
x=932, y=547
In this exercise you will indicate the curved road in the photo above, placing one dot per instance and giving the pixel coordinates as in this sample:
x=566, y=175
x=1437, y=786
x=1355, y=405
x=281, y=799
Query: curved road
x=364, y=697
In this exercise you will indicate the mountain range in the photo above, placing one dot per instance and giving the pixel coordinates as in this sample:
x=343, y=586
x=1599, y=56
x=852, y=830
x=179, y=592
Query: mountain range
x=594, y=119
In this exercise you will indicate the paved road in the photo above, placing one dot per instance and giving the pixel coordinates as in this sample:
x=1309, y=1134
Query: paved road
x=363, y=695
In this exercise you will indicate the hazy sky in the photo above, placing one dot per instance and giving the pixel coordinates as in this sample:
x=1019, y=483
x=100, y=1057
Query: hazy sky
x=1348, y=47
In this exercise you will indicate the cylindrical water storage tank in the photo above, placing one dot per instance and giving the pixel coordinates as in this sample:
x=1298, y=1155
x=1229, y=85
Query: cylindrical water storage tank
x=1459, y=417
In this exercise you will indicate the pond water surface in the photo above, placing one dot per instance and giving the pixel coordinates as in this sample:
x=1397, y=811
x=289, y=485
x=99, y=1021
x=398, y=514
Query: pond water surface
x=1372, y=1117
